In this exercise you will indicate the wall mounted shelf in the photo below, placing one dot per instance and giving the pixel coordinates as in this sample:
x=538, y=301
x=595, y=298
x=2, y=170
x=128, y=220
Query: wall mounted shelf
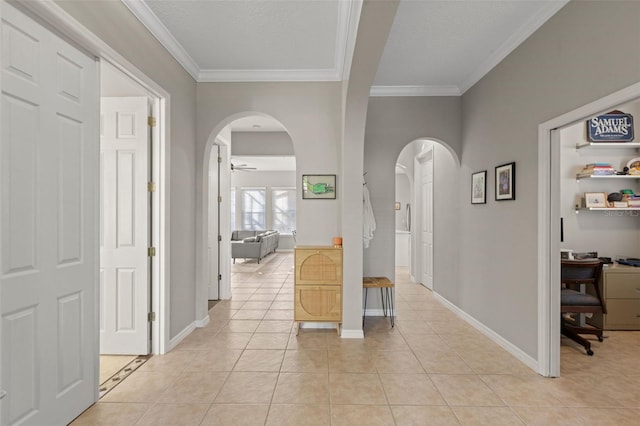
x=605, y=145
x=581, y=176
x=608, y=209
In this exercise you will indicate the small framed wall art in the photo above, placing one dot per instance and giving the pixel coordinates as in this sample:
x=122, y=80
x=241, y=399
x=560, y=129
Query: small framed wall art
x=506, y=182
x=479, y=187
x=595, y=200
x=318, y=187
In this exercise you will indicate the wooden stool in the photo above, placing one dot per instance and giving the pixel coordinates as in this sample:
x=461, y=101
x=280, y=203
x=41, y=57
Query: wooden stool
x=387, y=289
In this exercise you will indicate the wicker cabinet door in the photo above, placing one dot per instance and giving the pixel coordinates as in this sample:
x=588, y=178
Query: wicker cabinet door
x=318, y=303
x=318, y=266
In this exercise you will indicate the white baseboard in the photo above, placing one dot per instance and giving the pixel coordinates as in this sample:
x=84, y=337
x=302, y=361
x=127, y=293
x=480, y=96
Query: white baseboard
x=203, y=322
x=317, y=325
x=352, y=334
x=181, y=336
x=501, y=341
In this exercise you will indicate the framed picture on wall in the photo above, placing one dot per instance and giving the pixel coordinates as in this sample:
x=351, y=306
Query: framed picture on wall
x=318, y=187
x=479, y=187
x=506, y=182
x=595, y=199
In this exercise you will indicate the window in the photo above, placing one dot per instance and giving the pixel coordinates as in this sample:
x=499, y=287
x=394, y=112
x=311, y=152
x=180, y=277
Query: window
x=283, y=201
x=253, y=208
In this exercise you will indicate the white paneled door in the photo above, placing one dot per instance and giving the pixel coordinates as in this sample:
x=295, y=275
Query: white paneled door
x=49, y=155
x=214, y=241
x=426, y=218
x=124, y=226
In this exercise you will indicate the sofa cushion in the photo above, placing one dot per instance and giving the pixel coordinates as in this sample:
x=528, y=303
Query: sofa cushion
x=249, y=240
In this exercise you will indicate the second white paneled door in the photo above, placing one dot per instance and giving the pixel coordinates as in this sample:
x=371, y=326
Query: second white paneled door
x=124, y=226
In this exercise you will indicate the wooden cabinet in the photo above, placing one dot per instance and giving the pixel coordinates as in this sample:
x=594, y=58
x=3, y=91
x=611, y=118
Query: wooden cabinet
x=621, y=287
x=318, y=284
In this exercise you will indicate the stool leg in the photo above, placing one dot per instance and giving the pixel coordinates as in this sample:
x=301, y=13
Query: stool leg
x=364, y=309
x=393, y=307
x=384, y=304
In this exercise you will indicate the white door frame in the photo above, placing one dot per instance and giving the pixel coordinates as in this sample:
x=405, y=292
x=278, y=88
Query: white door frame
x=417, y=213
x=549, y=224
x=65, y=24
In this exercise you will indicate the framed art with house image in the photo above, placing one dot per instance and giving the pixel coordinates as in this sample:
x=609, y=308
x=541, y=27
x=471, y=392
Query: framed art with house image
x=318, y=187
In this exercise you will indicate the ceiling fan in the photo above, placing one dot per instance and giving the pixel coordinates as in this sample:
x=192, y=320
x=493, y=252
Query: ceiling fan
x=241, y=167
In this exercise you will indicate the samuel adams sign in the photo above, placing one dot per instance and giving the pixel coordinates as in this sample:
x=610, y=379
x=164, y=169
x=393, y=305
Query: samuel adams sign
x=615, y=126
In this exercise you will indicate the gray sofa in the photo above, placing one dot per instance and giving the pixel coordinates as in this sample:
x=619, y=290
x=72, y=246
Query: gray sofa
x=253, y=244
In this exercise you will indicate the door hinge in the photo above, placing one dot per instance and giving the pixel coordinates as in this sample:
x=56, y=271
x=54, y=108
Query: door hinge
x=219, y=198
x=151, y=187
x=152, y=251
x=219, y=277
x=219, y=237
x=219, y=159
x=152, y=316
x=151, y=121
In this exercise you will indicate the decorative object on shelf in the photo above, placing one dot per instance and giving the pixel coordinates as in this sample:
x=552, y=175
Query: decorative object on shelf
x=318, y=187
x=506, y=182
x=596, y=169
x=479, y=187
x=614, y=196
x=634, y=166
x=615, y=126
x=337, y=242
x=595, y=199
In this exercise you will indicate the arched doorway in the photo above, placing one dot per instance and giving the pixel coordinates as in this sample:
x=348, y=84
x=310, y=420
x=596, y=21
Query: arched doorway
x=249, y=157
x=426, y=191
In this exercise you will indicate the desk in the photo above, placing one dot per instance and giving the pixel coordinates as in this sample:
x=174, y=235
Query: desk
x=621, y=292
x=387, y=289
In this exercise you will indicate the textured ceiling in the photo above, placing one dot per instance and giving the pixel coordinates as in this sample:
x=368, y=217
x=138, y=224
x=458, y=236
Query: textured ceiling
x=451, y=44
x=436, y=47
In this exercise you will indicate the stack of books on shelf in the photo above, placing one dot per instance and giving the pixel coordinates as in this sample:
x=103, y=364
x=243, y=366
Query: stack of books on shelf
x=634, y=201
x=597, y=169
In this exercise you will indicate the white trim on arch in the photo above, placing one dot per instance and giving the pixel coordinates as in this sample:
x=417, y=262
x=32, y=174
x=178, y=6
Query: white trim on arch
x=65, y=24
x=548, y=224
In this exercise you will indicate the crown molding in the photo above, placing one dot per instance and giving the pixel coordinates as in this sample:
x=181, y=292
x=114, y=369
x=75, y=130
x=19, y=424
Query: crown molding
x=227, y=76
x=531, y=26
x=348, y=19
x=415, y=91
x=347, y=26
x=149, y=19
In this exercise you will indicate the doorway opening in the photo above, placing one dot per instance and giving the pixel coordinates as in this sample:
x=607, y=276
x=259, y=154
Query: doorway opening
x=130, y=232
x=425, y=179
x=250, y=189
x=550, y=208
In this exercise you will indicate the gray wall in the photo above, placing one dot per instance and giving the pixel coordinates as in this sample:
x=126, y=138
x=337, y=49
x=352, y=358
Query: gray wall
x=112, y=22
x=586, y=51
x=392, y=123
x=310, y=112
x=261, y=143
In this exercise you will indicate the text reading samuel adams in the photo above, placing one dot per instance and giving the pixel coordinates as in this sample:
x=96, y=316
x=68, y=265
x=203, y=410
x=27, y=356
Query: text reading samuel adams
x=612, y=127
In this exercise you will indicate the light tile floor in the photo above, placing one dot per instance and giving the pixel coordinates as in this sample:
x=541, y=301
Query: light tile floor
x=248, y=368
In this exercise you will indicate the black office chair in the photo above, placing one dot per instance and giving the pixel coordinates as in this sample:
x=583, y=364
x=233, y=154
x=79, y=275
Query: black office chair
x=573, y=301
